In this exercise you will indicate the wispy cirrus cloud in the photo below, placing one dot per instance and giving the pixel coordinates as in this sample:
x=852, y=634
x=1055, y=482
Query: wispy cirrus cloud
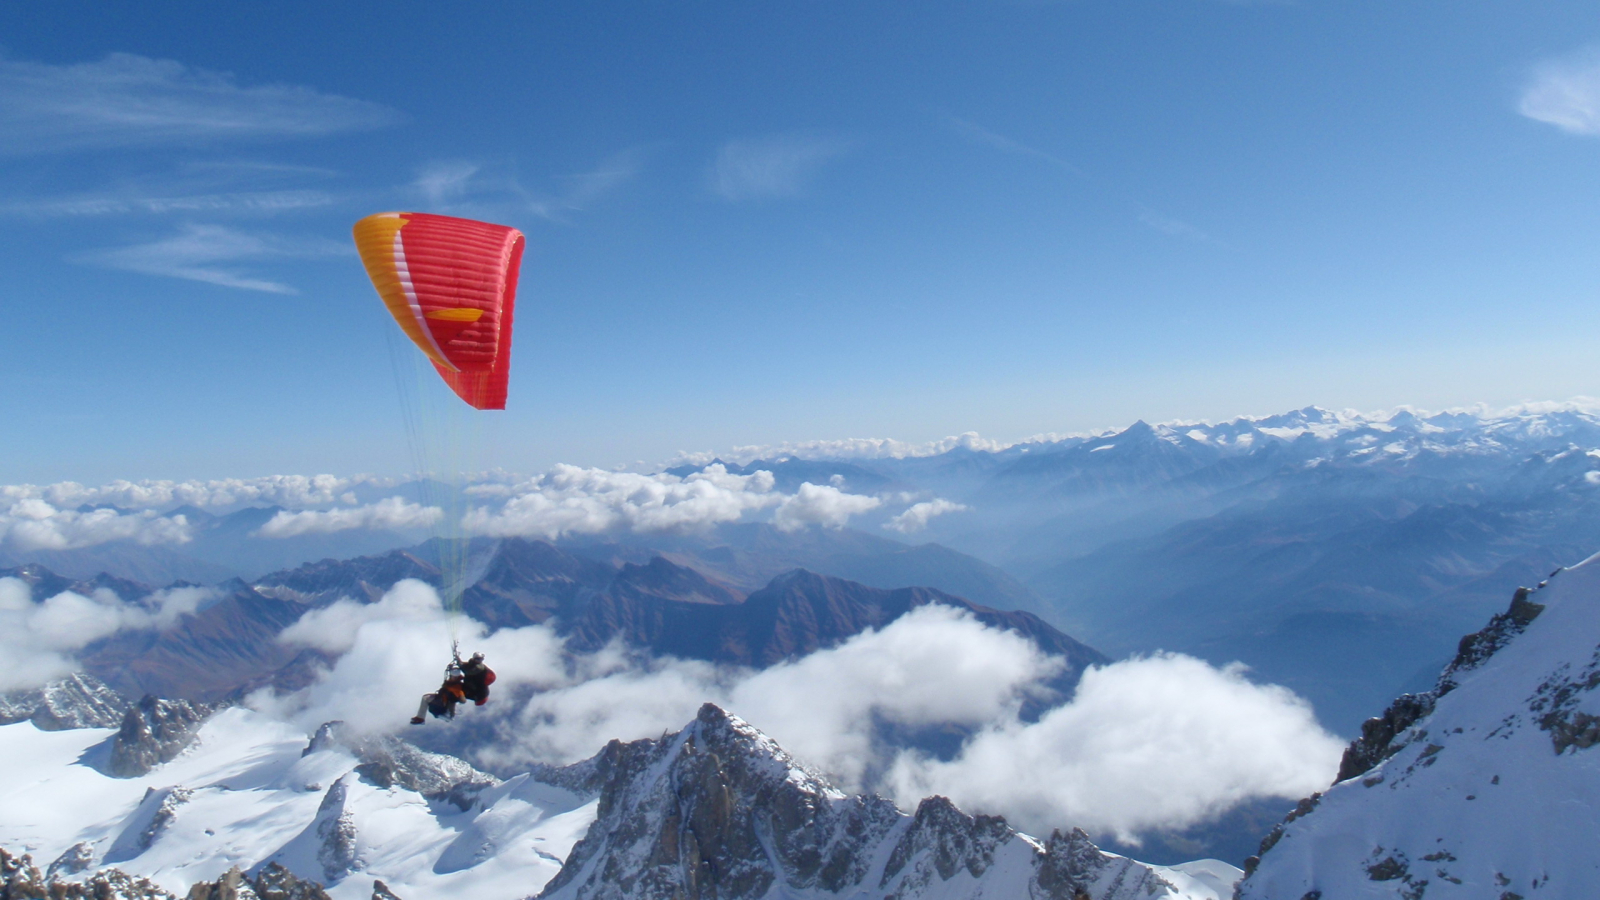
x=773, y=166
x=127, y=100
x=475, y=188
x=1565, y=92
x=212, y=254
x=1151, y=218
x=121, y=203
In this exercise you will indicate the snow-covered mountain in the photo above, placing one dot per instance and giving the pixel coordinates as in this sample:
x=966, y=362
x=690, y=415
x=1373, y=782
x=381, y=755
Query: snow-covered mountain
x=716, y=810
x=1486, y=786
x=250, y=791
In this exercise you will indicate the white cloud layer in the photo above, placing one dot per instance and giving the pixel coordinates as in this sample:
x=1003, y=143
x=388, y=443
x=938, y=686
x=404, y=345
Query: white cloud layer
x=34, y=524
x=211, y=254
x=916, y=517
x=283, y=490
x=1164, y=741
x=389, y=653
x=128, y=101
x=37, y=640
x=1160, y=742
x=820, y=504
x=573, y=500
x=1565, y=93
x=393, y=512
x=774, y=166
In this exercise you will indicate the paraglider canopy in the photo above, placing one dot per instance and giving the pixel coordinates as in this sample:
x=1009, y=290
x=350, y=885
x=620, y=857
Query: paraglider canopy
x=451, y=284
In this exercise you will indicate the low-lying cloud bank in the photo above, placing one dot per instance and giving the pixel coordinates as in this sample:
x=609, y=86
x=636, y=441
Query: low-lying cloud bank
x=566, y=500
x=38, y=640
x=392, y=512
x=34, y=524
x=295, y=491
x=1161, y=742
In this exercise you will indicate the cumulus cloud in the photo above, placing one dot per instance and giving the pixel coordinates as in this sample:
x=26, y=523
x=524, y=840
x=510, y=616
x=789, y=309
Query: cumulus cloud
x=211, y=254
x=933, y=665
x=126, y=100
x=34, y=524
x=333, y=628
x=393, y=512
x=573, y=500
x=1164, y=741
x=916, y=517
x=37, y=640
x=389, y=648
x=820, y=504
x=1565, y=93
x=773, y=166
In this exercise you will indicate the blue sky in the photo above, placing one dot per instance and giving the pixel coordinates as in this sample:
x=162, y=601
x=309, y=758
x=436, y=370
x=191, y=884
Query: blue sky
x=755, y=223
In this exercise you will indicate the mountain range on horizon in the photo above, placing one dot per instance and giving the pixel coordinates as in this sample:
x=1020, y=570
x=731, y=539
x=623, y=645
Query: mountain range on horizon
x=1336, y=553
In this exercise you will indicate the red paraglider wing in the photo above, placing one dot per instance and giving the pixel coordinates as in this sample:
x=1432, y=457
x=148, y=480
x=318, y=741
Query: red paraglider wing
x=451, y=285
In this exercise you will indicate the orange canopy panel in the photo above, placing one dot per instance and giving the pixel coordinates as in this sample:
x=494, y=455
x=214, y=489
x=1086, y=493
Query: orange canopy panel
x=451, y=285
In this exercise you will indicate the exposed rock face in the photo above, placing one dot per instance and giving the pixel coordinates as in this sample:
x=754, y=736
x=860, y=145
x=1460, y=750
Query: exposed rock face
x=231, y=886
x=155, y=731
x=77, y=701
x=720, y=811
x=78, y=857
x=335, y=828
x=20, y=880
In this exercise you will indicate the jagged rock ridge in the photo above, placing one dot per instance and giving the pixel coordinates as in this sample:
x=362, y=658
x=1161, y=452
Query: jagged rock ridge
x=20, y=880
x=155, y=731
x=719, y=810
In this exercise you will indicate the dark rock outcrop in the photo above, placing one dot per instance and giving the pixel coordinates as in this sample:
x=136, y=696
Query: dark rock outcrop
x=719, y=810
x=155, y=731
x=20, y=880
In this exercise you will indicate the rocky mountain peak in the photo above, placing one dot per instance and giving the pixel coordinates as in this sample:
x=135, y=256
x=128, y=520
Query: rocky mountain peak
x=155, y=731
x=720, y=810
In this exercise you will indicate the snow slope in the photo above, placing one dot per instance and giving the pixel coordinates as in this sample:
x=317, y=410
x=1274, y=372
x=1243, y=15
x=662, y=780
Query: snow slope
x=244, y=795
x=1495, y=793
